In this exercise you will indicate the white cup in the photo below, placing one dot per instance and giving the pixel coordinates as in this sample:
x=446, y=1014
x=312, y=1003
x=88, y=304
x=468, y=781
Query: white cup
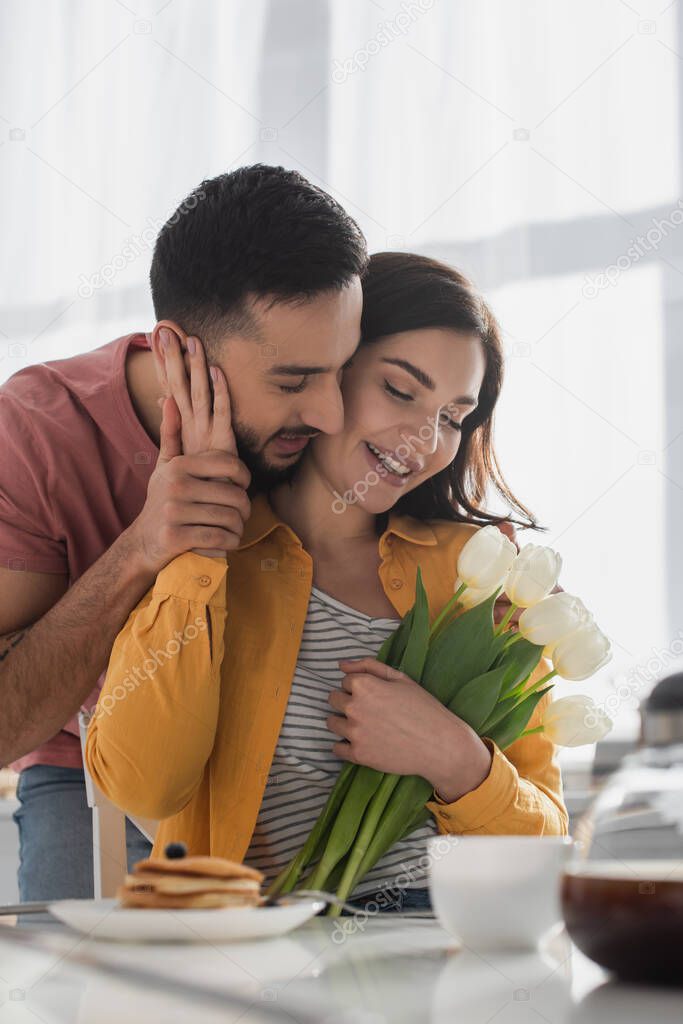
x=497, y=892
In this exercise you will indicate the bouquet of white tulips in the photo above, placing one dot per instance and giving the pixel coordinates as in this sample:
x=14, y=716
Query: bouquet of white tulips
x=481, y=673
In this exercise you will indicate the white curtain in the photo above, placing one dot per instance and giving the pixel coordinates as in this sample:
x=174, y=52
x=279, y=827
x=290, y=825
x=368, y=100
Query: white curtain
x=531, y=144
x=110, y=114
x=471, y=118
x=534, y=144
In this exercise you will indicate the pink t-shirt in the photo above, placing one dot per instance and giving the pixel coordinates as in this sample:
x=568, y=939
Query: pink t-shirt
x=74, y=470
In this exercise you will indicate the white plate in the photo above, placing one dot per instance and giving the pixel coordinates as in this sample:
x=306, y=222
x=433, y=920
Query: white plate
x=104, y=919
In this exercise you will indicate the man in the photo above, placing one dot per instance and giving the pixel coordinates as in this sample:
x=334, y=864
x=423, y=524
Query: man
x=264, y=269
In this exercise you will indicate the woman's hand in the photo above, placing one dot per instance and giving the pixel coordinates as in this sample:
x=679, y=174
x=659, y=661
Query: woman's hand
x=389, y=722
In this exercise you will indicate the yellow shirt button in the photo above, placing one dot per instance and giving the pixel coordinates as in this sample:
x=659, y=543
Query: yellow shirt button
x=396, y=584
x=204, y=581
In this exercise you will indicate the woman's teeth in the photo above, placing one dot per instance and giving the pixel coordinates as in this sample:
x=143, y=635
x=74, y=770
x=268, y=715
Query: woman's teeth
x=391, y=464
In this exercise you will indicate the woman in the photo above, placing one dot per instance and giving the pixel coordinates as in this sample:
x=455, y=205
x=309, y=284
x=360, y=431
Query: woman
x=237, y=736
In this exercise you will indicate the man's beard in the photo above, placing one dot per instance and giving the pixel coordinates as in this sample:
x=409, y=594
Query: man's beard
x=264, y=476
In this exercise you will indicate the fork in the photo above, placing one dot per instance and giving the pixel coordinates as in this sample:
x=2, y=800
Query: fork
x=319, y=894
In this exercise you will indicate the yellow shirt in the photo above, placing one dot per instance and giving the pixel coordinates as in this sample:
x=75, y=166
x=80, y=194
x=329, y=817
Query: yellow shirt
x=197, y=685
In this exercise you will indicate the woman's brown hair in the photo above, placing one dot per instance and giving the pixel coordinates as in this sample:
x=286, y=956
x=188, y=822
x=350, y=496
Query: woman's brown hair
x=407, y=292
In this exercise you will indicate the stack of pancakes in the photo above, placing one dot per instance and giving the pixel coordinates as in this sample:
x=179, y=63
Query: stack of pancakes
x=183, y=883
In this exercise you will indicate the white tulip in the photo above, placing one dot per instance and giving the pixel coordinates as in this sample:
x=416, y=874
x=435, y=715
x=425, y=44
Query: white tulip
x=533, y=574
x=485, y=559
x=573, y=721
x=581, y=653
x=553, y=618
x=473, y=595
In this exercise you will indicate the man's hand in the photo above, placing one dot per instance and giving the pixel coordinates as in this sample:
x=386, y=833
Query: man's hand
x=194, y=502
x=203, y=428
x=390, y=723
x=196, y=497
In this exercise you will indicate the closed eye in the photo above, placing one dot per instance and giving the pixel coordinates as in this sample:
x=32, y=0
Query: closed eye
x=404, y=397
x=292, y=389
x=396, y=393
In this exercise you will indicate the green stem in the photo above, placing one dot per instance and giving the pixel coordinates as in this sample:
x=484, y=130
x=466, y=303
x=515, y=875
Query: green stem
x=447, y=609
x=506, y=618
x=366, y=782
x=420, y=818
x=365, y=835
x=541, y=682
x=279, y=884
x=519, y=691
x=513, y=637
x=290, y=874
x=333, y=880
x=407, y=804
x=530, y=732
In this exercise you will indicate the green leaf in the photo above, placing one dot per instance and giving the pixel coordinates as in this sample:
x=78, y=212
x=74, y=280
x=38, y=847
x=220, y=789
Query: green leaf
x=399, y=639
x=420, y=818
x=364, y=784
x=501, y=709
x=413, y=659
x=406, y=804
x=366, y=833
x=463, y=649
x=317, y=837
x=497, y=648
x=384, y=653
x=520, y=659
x=513, y=724
x=332, y=881
x=475, y=701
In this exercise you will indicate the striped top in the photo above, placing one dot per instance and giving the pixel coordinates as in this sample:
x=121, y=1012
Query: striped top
x=304, y=767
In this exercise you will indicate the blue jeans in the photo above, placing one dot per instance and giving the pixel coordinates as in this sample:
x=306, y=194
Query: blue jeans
x=55, y=835
x=392, y=901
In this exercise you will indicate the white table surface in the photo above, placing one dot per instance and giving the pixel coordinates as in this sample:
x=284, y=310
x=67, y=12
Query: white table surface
x=389, y=970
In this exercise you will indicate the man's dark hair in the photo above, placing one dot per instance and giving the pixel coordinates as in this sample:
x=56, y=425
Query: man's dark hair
x=255, y=232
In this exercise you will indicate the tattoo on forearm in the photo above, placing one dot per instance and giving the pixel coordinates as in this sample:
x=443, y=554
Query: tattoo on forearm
x=10, y=640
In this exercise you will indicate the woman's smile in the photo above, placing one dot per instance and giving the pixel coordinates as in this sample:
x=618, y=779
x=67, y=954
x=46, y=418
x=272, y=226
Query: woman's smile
x=402, y=424
x=396, y=470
